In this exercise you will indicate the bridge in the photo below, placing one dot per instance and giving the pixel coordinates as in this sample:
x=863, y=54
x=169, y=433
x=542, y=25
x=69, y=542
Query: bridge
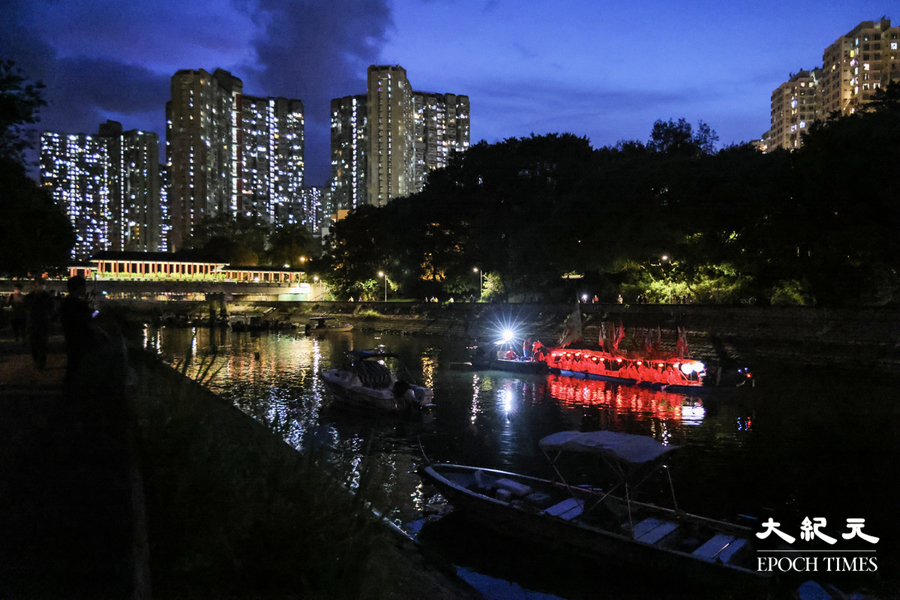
x=162, y=290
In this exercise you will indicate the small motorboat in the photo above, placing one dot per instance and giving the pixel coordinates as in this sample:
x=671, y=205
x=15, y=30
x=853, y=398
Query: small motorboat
x=366, y=380
x=325, y=324
x=607, y=525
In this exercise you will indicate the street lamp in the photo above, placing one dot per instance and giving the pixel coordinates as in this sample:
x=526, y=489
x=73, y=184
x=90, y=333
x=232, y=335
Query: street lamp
x=480, y=282
x=381, y=274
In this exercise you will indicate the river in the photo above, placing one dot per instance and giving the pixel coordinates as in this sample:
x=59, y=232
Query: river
x=801, y=443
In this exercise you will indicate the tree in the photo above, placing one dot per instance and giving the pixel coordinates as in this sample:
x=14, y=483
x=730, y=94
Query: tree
x=20, y=100
x=847, y=211
x=35, y=234
x=678, y=138
x=290, y=244
x=235, y=239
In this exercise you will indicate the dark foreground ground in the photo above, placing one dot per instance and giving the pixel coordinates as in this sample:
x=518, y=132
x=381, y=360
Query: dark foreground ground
x=92, y=508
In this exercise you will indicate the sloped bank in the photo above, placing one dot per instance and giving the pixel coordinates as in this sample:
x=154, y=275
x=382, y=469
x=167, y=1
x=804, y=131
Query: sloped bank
x=233, y=511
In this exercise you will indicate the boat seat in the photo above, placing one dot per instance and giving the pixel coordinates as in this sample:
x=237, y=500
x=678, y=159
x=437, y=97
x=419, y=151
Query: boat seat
x=568, y=509
x=484, y=481
x=653, y=530
x=730, y=550
x=514, y=487
x=538, y=498
x=721, y=547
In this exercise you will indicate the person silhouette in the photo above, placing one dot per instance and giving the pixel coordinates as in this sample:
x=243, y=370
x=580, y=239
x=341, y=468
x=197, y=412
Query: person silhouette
x=40, y=308
x=76, y=316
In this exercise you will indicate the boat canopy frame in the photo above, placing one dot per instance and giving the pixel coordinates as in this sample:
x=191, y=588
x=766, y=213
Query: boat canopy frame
x=625, y=453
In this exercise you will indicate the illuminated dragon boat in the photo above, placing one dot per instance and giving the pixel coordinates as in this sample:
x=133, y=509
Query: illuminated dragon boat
x=645, y=365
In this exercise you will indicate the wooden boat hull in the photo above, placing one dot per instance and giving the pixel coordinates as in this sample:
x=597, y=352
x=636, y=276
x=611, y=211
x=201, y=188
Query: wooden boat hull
x=519, y=366
x=653, y=385
x=516, y=517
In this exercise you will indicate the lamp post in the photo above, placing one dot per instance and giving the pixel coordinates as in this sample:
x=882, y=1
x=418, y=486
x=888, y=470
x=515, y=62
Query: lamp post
x=480, y=282
x=382, y=274
x=667, y=274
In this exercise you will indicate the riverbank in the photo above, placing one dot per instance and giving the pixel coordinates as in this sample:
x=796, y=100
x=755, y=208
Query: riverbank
x=146, y=485
x=867, y=338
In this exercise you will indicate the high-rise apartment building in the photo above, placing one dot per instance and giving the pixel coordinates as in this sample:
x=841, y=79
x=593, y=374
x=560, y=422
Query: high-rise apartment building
x=203, y=149
x=164, y=220
x=228, y=153
x=857, y=64
x=794, y=108
x=384, y=144
x=853, y=67
x=391, y=166
x=441, y=127
x=349, y=141
x=272, y=152
x=109, y=186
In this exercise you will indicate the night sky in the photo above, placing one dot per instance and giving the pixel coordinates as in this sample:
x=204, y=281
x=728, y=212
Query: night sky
x=604, y=70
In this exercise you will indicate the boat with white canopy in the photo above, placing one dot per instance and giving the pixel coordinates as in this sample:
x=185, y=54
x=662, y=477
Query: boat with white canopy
x=604, y=524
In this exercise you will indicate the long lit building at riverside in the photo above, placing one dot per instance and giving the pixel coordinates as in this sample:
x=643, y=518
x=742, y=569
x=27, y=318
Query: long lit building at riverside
x=229, y=154
x=853, y=68
x=108, y=184
x=164, y=266
x=384, y=143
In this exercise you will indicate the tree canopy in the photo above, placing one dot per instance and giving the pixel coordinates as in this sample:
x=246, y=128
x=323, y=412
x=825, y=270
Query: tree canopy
x=668, y=218
x=35, y=234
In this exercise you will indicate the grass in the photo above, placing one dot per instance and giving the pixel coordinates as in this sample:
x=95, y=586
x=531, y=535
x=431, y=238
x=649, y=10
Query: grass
x=234, y=512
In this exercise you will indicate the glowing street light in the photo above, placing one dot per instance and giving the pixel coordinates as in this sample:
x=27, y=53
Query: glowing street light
x=381, y=274
x=480, y=282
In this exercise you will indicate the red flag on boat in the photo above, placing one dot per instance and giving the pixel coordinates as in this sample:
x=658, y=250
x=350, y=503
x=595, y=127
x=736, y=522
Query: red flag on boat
x=572, y=328
x=620, y=335
x=681, y=346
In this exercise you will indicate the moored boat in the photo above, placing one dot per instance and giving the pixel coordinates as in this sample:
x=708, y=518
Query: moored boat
x=366, y=380
x=324, y=324
x=497, y=357
x=644, y=365
x=598, y=524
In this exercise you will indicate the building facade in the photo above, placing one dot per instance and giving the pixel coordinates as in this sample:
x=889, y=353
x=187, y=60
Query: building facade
x=857, y=64
x=229, y=154
x=109, y=185
x=794, y=108
x=203, y=149
x=273, y=153
x=349, y=141
x=853, y=68
x=441, y=127
x=384, y=144
x=390, y=132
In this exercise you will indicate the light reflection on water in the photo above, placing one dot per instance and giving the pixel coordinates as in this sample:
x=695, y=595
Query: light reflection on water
x=488, y=418
x=736, y=457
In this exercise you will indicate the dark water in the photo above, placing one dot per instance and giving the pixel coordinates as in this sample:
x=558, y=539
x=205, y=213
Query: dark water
x=802, y=443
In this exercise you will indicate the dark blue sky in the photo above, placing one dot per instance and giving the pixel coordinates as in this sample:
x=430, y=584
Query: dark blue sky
x=602, y=70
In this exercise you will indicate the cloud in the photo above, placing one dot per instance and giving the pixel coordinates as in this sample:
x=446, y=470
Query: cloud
x=317, y=50
x=106, y=58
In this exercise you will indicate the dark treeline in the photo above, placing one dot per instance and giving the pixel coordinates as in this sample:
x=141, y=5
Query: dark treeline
x=669, y=218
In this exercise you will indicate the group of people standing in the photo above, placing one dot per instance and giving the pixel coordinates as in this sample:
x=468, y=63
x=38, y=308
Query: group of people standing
x=33, y=314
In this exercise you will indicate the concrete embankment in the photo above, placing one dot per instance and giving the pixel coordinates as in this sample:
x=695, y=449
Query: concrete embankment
x=864, y=337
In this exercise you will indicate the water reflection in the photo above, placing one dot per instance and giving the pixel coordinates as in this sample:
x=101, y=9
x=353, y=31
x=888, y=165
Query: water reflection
x=623, y=399
x=789, y=449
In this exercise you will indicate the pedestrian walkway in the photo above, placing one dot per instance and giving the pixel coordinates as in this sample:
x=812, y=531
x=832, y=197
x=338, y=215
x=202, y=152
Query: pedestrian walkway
x=19, y=375
x=67, y=525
